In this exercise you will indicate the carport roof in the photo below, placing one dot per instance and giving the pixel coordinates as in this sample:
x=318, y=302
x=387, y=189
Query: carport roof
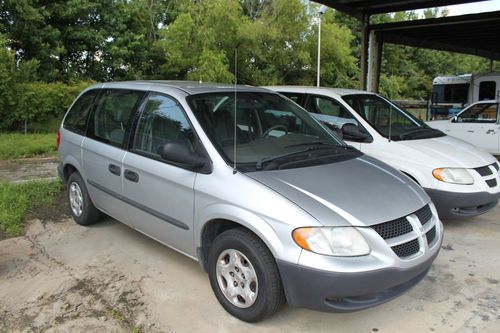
x=475, y=34
x=360, y=8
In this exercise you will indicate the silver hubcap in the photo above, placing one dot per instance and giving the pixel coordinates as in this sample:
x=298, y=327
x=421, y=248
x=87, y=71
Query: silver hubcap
x=76, y=199
x=237, y=278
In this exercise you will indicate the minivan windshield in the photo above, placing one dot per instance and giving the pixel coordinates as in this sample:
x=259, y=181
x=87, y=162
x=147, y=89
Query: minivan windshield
x=389, y=120
x=270, y=131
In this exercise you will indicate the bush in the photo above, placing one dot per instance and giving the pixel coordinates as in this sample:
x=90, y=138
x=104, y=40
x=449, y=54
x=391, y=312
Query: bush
x=42, y=105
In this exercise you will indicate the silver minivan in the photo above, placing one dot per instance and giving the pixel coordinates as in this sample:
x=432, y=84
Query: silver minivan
x=271, y=204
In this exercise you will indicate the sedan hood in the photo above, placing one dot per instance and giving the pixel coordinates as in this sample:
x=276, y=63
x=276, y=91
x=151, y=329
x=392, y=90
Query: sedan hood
x=361, y=191
x=447, y=151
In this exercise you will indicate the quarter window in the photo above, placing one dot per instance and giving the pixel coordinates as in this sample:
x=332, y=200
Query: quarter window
x=76, y=119
x=113, y=117
x=162, y=121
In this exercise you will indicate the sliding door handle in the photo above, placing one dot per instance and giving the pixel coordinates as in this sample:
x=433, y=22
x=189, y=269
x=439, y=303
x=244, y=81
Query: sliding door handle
x=132, y=176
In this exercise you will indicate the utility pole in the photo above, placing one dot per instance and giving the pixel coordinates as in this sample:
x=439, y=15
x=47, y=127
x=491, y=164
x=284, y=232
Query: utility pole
x=321, y=11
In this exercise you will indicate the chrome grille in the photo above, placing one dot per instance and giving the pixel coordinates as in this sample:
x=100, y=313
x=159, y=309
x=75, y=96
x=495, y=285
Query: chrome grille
x=400, y=236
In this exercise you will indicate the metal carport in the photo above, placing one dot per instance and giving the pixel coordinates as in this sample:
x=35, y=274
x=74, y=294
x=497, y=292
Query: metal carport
x=475, y=34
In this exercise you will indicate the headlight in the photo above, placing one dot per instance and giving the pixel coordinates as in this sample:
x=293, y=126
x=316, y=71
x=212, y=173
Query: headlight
x=453, y=175
x=333, y=241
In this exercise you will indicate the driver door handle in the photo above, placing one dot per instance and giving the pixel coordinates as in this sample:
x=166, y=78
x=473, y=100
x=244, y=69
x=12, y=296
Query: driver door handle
x=490, y=131
x=114, y=169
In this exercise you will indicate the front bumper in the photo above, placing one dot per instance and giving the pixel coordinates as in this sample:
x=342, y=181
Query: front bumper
x=458, y=205
x=345, y=292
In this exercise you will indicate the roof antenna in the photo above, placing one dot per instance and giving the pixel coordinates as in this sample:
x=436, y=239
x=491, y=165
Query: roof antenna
x=235, y=105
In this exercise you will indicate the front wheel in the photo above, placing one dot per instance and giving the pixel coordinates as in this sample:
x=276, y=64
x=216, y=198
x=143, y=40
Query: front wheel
x=81, y=207
x=244, y=276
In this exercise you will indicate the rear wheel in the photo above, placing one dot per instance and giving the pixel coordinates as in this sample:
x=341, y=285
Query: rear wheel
x=81, y=207
x=244, y=276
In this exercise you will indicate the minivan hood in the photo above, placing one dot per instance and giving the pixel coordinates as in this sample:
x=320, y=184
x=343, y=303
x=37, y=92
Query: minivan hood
x=438, y=124
x=447, y=151
x=361, y=191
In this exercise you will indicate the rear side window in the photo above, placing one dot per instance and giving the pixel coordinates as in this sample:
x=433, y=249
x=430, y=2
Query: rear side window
x=113, y=117
x=76, y=119
x=161, y=121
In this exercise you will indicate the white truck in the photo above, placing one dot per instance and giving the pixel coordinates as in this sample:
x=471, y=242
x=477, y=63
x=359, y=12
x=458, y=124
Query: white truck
x=451, y=93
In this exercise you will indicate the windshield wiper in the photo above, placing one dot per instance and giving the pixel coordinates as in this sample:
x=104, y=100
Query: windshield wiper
x=261, y=162
x=409, y=134
x=312, y=143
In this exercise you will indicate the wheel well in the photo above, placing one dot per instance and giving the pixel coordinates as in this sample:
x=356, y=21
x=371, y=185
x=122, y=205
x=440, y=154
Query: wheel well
x=411, y=177
x=211, y=230
x=67, y=171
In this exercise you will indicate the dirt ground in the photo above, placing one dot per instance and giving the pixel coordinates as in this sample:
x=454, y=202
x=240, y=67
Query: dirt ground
x=61, y=277
x=28, y=169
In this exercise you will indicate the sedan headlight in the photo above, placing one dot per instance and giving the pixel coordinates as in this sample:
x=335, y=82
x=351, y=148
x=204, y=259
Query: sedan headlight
x=453, y=176
x=333, y=241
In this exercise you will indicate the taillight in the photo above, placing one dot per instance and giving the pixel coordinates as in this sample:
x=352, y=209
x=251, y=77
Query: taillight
x=58, y=140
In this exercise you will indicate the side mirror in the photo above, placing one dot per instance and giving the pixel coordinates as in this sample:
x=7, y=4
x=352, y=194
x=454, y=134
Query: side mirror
x=353, y=133
x=337, y=131
x=454, y=119
x=180, y=153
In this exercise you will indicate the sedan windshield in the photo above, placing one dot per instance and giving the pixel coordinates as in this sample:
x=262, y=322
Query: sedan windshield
x=389, y=120
x=270, y=132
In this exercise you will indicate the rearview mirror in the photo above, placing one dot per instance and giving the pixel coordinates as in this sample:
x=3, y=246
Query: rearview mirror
x=180, y=153
x=352, y=132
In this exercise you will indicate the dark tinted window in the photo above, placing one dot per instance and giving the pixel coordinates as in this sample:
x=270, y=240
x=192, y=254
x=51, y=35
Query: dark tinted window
x=112, y=119
x=161, y=121
x=76, y=119
x=487, y=90
x=450, y=93
x=296, y=97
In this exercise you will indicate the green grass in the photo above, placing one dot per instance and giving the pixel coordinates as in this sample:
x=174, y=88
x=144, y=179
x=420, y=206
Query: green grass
x=19, y=199
x=18, y=145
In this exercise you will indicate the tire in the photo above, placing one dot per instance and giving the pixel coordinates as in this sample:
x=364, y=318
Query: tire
x=259, y=294
x=81, y=207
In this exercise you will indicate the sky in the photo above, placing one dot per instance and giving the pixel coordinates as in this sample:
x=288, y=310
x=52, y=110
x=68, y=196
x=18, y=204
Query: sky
x=475, y=7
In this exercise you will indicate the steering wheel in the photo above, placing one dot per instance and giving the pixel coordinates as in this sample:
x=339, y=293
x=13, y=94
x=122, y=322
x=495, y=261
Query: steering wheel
x=275, y=127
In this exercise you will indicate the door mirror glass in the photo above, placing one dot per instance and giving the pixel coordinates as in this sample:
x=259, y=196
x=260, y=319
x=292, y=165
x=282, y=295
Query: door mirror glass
x=352, y=132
